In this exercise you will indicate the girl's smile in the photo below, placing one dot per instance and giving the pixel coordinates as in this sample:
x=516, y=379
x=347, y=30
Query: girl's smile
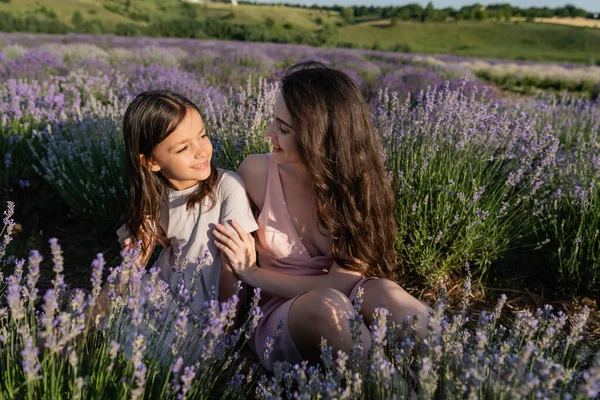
x=201, y=166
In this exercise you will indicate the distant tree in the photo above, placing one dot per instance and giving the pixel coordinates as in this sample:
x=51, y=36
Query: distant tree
x=93, y=26
x=269, y=22
x=347, y=13
x=429, y=14
x=5, y=1
x=77, y=19
x=446, y=13
x=7, y=22
x=128, y=30
x=480, y=13
x=188, y=10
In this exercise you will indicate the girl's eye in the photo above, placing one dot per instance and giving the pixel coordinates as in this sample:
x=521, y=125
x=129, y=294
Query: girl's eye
x=283, y=131
x=182, y=150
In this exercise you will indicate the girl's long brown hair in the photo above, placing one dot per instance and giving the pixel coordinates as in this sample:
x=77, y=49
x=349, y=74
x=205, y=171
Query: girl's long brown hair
x=337, y=144
x=149, y=119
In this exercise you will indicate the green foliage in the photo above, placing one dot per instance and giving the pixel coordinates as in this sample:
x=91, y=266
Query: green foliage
x=92, y=26
x=574, y=228
x=5, y=1
x=188, y=10
x=401, y=48
x=269, y=22
x=327, y=35
x=112, y=8
x=144, y=17
x=128, y=30
x=77, y=19
x=347, y=14
x=47, y=12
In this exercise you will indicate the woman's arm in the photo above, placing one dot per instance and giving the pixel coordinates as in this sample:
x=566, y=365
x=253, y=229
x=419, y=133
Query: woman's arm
x=289, y=286
x=238, y=246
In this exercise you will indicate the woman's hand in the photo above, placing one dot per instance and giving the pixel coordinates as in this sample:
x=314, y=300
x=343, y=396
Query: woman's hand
x=238, y=246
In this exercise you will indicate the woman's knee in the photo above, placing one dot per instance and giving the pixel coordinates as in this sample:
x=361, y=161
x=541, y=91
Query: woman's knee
x=321, y=309
x=388, y=294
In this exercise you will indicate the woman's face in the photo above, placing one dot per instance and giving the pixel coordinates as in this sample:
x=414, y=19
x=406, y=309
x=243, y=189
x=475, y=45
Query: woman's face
x=183, y=158
x=282, y=134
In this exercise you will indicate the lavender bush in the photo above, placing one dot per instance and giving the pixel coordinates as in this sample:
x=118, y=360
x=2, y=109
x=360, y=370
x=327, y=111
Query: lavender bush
x=51, y=352
x=464, y=173
x=571, y=218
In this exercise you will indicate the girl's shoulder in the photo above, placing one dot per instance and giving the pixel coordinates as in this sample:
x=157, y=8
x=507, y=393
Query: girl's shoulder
x=229, y=183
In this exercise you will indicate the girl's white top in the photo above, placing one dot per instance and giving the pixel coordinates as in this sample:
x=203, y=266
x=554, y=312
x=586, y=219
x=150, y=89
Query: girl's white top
x=192, y=230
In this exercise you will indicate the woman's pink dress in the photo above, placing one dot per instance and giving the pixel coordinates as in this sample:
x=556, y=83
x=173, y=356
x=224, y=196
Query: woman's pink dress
x=280, y=249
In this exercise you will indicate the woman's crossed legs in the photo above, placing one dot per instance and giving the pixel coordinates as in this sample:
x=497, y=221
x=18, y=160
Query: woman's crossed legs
x=326, y=313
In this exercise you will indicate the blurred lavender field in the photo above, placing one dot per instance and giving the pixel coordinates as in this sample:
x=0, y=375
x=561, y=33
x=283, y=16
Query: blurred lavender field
x=499, y=188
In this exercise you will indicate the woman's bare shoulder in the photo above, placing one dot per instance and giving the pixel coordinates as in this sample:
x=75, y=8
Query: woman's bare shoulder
x=253, y=171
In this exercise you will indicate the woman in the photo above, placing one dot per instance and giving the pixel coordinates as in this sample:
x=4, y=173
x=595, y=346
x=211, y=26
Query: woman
x=326, y=224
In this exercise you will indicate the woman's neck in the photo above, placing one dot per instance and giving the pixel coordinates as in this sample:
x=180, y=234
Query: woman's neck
x=298, y=172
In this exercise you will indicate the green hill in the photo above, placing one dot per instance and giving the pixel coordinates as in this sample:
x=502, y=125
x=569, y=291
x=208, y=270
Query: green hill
x=113, y=12
x=276, y=23
x=508, y=40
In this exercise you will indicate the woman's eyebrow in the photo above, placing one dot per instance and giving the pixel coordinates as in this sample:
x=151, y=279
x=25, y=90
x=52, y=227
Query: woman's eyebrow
x=285, y=123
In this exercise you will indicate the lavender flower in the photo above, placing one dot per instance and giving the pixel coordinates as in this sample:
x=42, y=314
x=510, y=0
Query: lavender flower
x=31, y=365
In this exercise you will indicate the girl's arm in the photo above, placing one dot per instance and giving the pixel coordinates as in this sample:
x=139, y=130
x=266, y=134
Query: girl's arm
x=101, y=306
x=227, y=280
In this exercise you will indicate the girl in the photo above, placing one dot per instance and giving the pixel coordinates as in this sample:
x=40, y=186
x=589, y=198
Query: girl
x=177, y=197
x=326, y=225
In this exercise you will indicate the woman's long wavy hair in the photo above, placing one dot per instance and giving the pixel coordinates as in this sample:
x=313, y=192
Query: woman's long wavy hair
x=343, y=156
x=149, y=119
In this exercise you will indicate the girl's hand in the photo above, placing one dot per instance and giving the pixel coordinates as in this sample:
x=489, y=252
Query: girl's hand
x=238, y=246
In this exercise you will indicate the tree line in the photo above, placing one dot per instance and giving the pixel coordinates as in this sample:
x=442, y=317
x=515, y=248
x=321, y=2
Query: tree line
x=476, y=11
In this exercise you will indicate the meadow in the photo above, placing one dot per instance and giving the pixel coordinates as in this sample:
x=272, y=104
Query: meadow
x=494, y=192
x=492, y=38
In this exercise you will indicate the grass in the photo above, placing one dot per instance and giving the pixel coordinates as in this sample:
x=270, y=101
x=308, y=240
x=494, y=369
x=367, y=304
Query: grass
x=507, y=40
x=102, y=10
x=590, y=23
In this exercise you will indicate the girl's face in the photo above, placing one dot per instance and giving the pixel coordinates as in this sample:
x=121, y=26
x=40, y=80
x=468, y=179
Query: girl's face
x=183, y=158
x=282, y=135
